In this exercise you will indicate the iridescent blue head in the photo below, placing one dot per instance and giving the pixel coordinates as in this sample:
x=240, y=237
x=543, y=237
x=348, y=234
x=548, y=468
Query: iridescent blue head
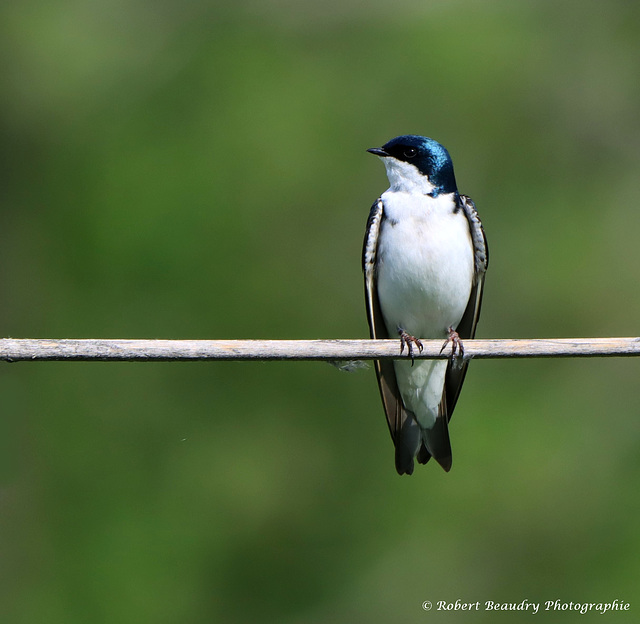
x=417, y=163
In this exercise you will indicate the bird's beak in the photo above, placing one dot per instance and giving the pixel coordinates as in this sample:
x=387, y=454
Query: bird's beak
x=378, y=151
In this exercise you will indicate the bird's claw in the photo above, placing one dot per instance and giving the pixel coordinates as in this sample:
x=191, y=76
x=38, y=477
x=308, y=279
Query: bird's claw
x=407, y=340
x=456, y=343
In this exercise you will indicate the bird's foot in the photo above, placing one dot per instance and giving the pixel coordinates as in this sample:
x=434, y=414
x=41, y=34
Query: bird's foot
x=456, y=343
x=407, y=340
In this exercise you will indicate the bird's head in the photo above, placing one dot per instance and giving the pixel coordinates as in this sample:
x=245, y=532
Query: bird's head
x=417, y=163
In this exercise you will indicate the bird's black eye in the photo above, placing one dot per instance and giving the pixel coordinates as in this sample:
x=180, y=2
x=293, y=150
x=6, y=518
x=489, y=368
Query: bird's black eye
x=410, y=152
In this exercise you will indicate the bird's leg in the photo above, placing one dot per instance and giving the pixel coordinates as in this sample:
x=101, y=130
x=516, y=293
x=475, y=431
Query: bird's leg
x=456, y=343
x=408, y=340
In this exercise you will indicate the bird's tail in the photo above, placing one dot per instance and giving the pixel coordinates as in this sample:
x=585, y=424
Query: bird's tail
x=436, y=441
x=408, y=440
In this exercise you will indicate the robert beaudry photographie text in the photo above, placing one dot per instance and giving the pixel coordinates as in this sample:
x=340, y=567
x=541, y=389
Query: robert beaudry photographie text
x=533, y=607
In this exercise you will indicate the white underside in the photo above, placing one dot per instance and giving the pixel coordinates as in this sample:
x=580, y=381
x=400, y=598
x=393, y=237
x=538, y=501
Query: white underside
x=425, y=269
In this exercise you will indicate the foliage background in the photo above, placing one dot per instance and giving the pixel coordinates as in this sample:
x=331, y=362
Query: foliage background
x=197, y=170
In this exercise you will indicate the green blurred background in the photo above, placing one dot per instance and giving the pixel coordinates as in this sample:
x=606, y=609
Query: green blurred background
x=197, y=170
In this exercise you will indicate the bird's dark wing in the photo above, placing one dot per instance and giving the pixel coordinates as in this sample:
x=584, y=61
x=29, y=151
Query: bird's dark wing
x=404, y=430
x=467, y=326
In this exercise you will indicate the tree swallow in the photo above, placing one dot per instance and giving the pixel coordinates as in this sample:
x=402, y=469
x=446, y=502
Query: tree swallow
x=424, y=260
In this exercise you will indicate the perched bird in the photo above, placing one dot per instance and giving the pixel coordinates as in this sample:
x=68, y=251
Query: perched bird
x=424, y=261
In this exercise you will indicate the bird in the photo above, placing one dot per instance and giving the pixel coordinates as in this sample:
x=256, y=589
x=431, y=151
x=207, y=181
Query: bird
x=424, y=260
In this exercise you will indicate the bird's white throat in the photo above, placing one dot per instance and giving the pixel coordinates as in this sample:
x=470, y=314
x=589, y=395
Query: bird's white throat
x=405, y=177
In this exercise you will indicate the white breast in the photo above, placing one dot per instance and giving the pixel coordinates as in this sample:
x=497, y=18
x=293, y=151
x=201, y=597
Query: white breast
x=424, y=264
